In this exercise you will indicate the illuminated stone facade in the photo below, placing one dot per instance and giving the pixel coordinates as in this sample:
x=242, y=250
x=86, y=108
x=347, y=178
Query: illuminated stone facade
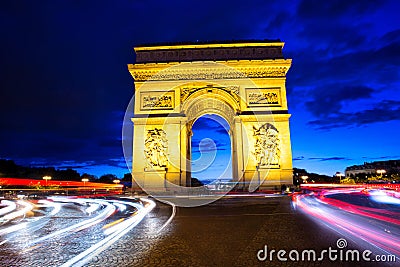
x=244, y=83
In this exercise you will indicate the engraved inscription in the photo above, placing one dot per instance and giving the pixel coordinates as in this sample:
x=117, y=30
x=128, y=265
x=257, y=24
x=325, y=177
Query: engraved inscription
x=157, y=100
x=263, y=97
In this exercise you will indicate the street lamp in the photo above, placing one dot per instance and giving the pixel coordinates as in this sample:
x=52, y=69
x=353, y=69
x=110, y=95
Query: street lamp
x=381, y=172
x=304, y=177
x=84, y=180
x=46, y=178
x=340, y=175
x=116, y=181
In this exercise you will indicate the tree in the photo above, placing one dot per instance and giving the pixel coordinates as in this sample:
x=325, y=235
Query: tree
x=195, y=182
x=8, y=168
x=67, y=175
x=91, y=177
x=107, y=178
x=127, y=177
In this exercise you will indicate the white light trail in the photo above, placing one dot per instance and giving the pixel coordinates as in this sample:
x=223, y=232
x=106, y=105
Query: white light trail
x=26, y=208
x=10, y=206
x=120, y=205
x=33, y=225
x=56, y=206
x=108, y=210
x=170, y=218
x=382, y=197
x=92, y=208
x=124, y=227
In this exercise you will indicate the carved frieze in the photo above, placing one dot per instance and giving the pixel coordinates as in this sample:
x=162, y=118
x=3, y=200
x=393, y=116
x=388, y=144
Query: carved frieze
x=156, y=100
x=156, y=145
x=207, y=74
x=186, y=91
x=263, y=97
x=266, y=145
x=217, y=106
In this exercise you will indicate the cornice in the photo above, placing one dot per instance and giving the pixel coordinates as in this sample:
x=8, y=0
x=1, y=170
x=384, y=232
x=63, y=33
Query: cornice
x=200, y=71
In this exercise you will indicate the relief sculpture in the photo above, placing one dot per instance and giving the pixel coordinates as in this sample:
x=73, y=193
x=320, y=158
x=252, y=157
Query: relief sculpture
x=156, y=145
x=157, y=102
x=263, y=98
x=266, y=147
x=189, y=90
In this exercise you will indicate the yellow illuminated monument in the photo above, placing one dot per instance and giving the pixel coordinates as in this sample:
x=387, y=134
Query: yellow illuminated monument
x=243, y=82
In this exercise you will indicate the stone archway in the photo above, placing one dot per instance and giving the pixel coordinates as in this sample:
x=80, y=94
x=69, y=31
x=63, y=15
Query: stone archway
x=244, y=84
x=217, y=102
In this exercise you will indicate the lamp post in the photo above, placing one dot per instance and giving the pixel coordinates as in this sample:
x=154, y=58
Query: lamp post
x=381, y=172
x=116, y=181
x=46, y=178
x=84, y=180
x=340, y=175
x=304, y=177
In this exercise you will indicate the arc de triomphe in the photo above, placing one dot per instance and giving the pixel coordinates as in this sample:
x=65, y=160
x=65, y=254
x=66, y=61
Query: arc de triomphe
x=242, y=82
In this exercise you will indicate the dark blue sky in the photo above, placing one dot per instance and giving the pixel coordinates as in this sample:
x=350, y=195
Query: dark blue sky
x=65, y=85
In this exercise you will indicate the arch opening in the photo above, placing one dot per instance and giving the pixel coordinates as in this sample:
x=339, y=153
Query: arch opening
x=211, y=150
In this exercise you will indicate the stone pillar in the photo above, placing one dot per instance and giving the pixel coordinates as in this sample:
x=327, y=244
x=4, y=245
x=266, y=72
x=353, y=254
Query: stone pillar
x=237, y=153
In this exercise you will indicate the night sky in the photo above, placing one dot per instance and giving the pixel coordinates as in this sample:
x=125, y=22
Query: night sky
x=65, y=84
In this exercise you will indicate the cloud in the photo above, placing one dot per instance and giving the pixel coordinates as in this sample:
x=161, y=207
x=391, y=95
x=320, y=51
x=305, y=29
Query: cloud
x=333, y=10
x=110, y=142
x=211, y=121
x=386, y=110
x=391, y=37
x=299, y=158
x=381, y=158
x=73, y=164
x=208, y=145
x=330, y=98
x=330, y=159
x=335, y=26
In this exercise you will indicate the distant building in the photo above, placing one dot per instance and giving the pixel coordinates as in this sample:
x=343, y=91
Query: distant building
x=371, y=168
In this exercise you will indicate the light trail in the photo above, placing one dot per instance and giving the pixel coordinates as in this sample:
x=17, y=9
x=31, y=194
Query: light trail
x=92, y=208
x=123, y=228
x=116, y=226
x=170, y=218
x=56, y=206
x=107, y=211
x=35, y=223
x=98, y=210
x=120, y=205
x=19, y=213
x=10, y=206
x=384, y=197
x=353, y=220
